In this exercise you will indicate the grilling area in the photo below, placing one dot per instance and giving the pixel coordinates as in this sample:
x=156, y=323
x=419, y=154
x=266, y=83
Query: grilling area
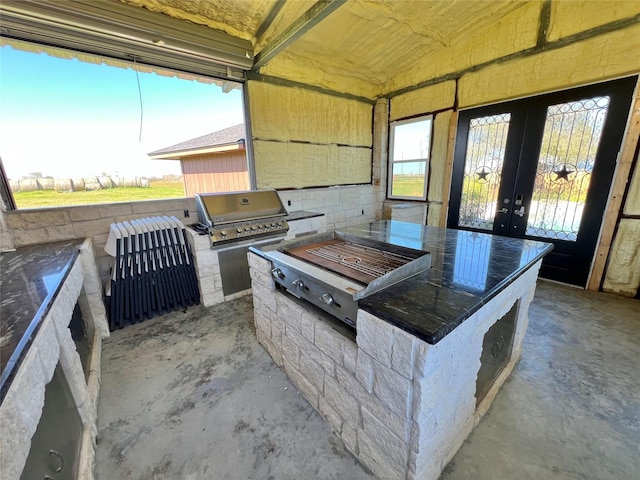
x=465, y=309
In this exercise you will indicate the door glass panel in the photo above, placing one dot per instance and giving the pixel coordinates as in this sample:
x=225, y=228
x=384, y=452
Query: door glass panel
x=483, y=170
x=572, y=133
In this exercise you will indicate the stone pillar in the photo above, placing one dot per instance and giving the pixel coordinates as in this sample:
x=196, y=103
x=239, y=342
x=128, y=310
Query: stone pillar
x=207, y=268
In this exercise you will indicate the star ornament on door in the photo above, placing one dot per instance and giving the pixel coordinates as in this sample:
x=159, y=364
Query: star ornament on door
x=563, y=173
x=482, y=174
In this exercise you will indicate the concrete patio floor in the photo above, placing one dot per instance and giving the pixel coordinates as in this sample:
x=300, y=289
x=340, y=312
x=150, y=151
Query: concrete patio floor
x=192, y=395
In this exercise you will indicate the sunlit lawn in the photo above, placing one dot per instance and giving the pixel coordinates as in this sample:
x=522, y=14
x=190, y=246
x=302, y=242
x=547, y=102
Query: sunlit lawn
x=51, y=198
x=408, y=186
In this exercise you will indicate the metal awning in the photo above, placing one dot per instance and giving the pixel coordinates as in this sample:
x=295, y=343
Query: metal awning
x=118, y=34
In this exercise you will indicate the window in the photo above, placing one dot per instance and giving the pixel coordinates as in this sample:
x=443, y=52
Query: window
x=80, y=129
x=71, y=114
x=409, y=147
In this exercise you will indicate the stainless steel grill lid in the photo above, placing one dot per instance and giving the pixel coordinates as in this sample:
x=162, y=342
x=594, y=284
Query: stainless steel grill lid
x=236, y=216
x=223, y=208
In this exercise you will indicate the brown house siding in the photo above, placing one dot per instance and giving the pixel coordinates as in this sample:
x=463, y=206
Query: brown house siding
x=220, y=172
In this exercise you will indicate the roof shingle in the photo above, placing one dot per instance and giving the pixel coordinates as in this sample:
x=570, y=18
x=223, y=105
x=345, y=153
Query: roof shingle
x=227, y=136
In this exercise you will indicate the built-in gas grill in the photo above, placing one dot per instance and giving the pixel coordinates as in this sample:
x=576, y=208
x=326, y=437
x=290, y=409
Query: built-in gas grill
x=333, y=271
x=234, y=222
x=239, y=216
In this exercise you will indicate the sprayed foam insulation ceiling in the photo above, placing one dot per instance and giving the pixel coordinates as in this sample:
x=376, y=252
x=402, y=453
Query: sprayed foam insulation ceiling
x=373, y=42
x=359, y=48
x=237, y=18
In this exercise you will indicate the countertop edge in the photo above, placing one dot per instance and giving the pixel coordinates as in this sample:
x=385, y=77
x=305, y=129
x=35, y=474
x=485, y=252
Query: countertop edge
x=13, y=364
x=454, y=322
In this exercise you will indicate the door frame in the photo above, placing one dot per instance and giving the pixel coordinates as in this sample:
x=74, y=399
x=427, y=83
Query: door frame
x=619, y=177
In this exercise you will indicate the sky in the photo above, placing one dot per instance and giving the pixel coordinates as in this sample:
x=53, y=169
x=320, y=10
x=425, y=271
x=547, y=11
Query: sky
x=67, y=118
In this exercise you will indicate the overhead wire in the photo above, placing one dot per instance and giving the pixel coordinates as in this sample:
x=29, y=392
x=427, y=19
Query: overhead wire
x=135, y=68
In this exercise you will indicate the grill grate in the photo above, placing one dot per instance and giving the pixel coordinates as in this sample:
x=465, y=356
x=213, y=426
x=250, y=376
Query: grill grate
x=367, y=260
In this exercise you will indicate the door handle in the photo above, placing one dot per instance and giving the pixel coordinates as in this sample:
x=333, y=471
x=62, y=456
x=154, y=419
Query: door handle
x=520, y=212
x=503, y=210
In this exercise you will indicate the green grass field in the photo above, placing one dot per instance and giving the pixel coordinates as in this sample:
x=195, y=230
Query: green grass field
x=408, y=186
x=51, y=198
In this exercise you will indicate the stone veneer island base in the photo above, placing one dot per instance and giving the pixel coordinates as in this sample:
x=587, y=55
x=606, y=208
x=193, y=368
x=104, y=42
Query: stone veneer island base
x=71, y=275
x=401, y=405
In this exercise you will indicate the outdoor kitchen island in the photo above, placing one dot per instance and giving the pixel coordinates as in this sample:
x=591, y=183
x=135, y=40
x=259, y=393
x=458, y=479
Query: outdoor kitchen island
x=405, y=387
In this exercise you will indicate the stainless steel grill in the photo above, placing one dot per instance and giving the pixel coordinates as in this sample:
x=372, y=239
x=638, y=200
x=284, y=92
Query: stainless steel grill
x=234, y=222
x=235, y=216
x=333, y=271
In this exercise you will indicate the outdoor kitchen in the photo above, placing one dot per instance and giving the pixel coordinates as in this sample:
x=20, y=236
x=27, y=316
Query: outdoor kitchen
x=426, y=353
x=456, y=303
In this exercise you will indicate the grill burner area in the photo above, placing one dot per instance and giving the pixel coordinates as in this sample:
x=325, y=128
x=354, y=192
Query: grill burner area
x=334, y=270
x=359, y=262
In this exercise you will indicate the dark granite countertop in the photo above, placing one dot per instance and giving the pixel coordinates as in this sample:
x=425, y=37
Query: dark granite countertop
x=467, y=270
x=301, y=215
x=30, y=279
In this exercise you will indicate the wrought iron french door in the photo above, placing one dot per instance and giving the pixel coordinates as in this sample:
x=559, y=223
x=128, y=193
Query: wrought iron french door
x=541, y=168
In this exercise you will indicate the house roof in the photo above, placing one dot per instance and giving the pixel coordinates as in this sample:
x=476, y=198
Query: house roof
x=233, y=137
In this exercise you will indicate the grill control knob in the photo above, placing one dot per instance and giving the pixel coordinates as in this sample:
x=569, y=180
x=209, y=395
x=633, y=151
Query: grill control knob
x=253, y=227
x=299, y=284
x=223, y=233
x=326, y=298
x=277, y=273
x=239, y=230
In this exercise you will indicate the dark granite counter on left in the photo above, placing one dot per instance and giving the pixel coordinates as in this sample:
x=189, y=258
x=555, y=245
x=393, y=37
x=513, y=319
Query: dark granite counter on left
x=30, y=279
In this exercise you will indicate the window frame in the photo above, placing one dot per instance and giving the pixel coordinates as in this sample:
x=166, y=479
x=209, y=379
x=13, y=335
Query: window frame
x=64, y=53
x=391, y=162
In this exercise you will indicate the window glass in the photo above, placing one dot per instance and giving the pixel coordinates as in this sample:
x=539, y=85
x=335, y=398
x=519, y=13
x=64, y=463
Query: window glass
x=410, y=142
x=76, y=132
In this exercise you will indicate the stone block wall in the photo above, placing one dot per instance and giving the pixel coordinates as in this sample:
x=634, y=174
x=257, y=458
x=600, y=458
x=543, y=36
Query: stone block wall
x=45, y=225
x=343, y=206
x=401, y=406
x=306, y=226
